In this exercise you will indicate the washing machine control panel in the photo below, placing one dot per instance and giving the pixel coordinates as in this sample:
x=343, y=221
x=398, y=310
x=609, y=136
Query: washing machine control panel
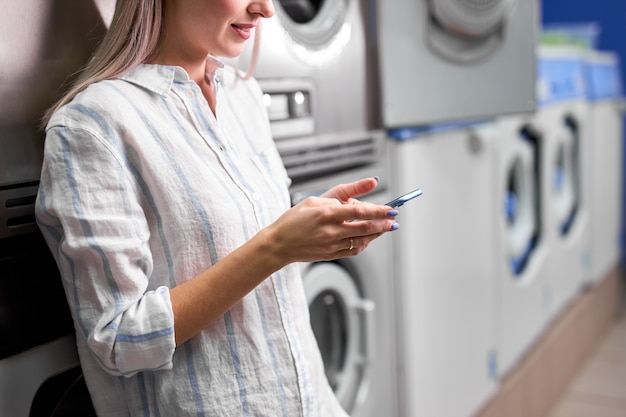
x=288, y=104
x=307, y=153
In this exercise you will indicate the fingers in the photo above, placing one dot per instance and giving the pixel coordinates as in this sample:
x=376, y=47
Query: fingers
x=324, y=229
x=354, y=221
x=349, y=212
x=329, y=210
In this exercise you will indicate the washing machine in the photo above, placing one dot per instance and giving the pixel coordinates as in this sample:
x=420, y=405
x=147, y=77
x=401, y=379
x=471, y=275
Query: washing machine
x=563, y=120
x=39, y=368
x=444, y=268
x=523, y=290
x=449, y=60
x=315, y=67
x=351, y=303
x=607, y=133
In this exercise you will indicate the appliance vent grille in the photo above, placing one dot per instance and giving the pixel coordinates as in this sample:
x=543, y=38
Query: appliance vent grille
x=17, y=210
x=304, y=162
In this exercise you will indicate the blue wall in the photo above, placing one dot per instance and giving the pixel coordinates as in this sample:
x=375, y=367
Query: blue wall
x=611, y=16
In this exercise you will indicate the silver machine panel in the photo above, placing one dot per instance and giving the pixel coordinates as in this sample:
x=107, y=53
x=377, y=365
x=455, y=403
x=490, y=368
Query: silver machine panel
x=316, y=70
x=450, y=60
x=42, y=46
x=43, y=43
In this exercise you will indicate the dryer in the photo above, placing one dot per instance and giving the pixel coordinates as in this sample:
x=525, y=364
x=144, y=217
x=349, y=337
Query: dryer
x=351, y=304
x=606, y=136
x=316, y=71
x=444, y=268
x=563, y=120
x=39, y=368
x=450, y=60
x=523, y=290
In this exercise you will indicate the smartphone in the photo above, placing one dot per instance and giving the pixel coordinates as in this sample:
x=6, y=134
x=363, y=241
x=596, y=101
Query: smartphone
x=404, y=198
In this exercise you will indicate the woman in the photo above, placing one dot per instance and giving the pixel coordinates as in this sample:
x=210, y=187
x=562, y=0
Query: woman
x=166, y=206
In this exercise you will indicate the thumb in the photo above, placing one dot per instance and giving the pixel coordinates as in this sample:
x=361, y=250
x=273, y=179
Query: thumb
x=344, y=192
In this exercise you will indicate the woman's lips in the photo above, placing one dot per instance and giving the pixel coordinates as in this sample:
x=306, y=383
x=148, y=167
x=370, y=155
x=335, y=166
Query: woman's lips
x=243, y=30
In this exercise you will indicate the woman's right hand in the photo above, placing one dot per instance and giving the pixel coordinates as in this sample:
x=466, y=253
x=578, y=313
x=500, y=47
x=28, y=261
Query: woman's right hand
x=320, y=228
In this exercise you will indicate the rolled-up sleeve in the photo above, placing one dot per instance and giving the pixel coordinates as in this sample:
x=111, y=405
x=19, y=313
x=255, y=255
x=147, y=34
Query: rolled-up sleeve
x=91, y=213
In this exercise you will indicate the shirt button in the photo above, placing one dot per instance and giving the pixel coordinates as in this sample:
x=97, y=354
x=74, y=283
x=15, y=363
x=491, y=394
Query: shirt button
x=256, y=196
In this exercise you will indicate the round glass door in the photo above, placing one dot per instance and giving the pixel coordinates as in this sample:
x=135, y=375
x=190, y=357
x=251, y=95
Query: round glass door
x=328, y=320
x=301, y=11
x=565, y=177
x=317, y=30
x=342, y=326
x=471, y=18
x=520, y=203
x=467, y=31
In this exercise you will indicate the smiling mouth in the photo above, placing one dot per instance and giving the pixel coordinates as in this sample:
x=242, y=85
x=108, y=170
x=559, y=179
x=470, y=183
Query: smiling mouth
x=243, y=28
x=244, y=31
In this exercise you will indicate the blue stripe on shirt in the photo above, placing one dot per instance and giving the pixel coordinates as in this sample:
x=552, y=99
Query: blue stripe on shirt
x=272, y=349
x=234, y=350
x=143, y=395
x=128, y=338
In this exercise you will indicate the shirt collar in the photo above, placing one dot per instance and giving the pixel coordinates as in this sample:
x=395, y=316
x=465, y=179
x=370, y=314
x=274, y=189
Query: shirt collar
x=160, y=78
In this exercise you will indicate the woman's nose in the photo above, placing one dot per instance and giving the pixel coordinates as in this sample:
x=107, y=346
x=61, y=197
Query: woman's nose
x=265, y=8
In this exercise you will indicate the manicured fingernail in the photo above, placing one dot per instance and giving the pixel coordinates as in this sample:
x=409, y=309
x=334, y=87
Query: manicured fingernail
x=393, y=213
x=395, y=226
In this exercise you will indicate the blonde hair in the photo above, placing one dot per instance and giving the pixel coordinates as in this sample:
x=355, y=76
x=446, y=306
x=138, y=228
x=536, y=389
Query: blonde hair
x=132, y=39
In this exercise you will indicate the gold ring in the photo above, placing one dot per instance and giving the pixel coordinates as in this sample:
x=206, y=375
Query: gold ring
x=351, y=244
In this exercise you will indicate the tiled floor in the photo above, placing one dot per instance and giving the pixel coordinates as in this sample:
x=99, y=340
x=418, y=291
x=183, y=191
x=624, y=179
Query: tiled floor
x=599, y=389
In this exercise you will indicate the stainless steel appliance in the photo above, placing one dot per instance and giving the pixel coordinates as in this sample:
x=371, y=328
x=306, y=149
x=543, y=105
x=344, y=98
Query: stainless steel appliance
x=351, y=303
x=42, y=44
x=446, y=60
x=317, y=69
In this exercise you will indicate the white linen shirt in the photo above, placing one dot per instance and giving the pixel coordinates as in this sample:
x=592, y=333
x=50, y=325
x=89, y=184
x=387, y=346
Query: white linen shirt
x=143, y=188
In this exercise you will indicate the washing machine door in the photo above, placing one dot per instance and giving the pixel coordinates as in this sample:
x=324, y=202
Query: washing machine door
x=471, y=18
x=343, y=326
x=565, y=177
x=521, y=206
x=317, y=29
